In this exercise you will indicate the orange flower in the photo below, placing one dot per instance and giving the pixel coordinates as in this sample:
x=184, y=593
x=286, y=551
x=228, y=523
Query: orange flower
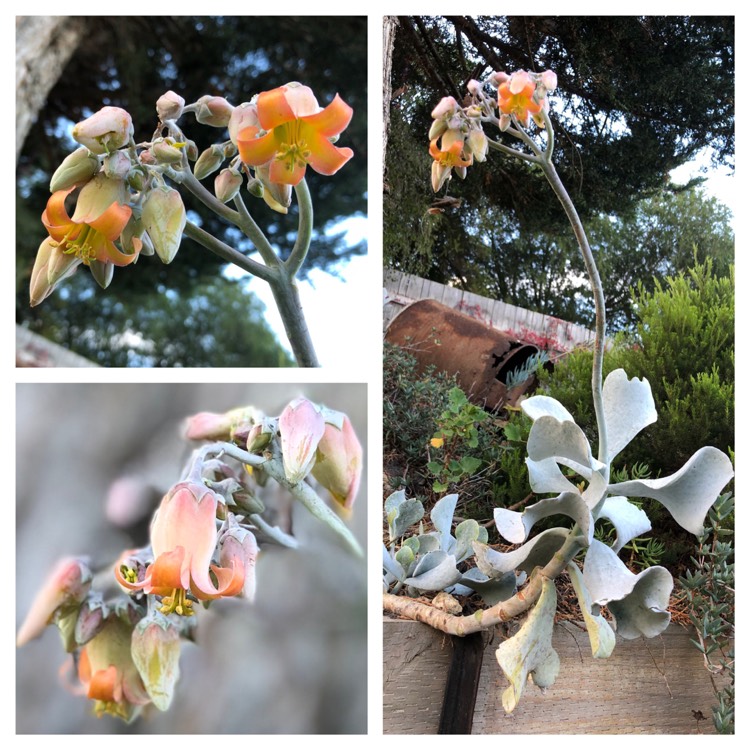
x=298, y=133
x=97, y=222
x=451, y=153
x=109, y=675
x=516, y=96
x=183, y=540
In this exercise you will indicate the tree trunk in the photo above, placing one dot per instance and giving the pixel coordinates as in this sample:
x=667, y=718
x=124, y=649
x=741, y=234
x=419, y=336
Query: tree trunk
x=44, y=44
x=389, y=32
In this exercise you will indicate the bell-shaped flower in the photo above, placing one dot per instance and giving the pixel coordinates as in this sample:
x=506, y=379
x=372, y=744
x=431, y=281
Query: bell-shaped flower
x=164, y=218
x=65, y=589
x=109, y=675
x=155, y=648
x=107, y=130
x=298, y=132
x=97, y=222
x=183, y=540
x=76, y=168
x=51, y=266
x=517, y=95
x=237, y=544
x=451, y=153
x=338, y=464
x=301, y=426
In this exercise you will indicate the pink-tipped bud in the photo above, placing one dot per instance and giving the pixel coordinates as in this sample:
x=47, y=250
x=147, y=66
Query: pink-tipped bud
x=169, y=106
x=474, y=87
x=213, y=110
x=209, y=161
x=238, y=547
x=167, y=151
x=107, y=130
x=164, y=218
x=117, y=165
x=301, y=426
x=446, y=106
x=208, y=425
x=338, y=465
x=499, y=77
x=80, y=166
x=243, y=116
x=549, y=80
x=155, y=648
x=51, y=266
x=65, y=588
x=227, y=185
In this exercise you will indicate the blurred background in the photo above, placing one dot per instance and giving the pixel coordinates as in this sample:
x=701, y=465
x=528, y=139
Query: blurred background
x=294, y=662
x=196, y=312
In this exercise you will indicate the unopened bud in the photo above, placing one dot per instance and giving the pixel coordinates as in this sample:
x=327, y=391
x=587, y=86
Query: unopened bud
x=77, y=167
x=213, y=110
x=477, y=144
x=209, y=161
x=338, y=465
x=102, y=272
x=90, y=621
x=227, y=185
x=259, y=437
x=192, y=151
x=549, y=80
x=117, y=165
x=107, y=130
x=167, y=151
x=169, y=106
x=155, y=648
x=164, y=218
x=301, y=426
x=43, y=278
x=244, y=116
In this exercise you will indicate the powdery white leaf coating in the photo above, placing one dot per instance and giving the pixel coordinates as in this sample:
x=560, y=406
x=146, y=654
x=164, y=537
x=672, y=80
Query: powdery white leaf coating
x=629, y=520
x=434, y=572
x=688, y=493
x=545, y=406
x=564, y=441
x=545, y=476
x=392, y=566
x=515, y=527
x=442, y=520
x=530, y=650
x=601, y=635
x=537, y=552
x=492, y=590
x=628, y=408
x=637, y=602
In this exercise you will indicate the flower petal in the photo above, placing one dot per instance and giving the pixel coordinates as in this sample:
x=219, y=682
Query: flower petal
x=285, y=172
x=274, y=108
x=256, y=151
x=324, y=158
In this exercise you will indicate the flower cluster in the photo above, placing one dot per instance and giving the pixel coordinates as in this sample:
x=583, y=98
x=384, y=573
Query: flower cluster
x=125, y=206
x=457, y=136
x=204, y=544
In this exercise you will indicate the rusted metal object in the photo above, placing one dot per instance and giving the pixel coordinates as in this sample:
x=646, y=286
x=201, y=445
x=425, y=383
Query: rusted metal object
x=479, y=356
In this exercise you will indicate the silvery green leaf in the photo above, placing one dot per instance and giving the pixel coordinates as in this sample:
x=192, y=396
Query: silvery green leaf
x=688, y=493
x=530, y=650
x=545, y=406
x=545, y=476
x=413, y=543
x=638, y=603
x=434, y=572
x=391, y=566
x=492, y=590
x=405, y=557
x=428, y=543
x=538, y=551
x=628, y=408
x=597, y=488
x=629, y=520
x=442, y=519
x=601, y=635
x=466, y=533
x=515, y=527
x=564, y=441
x=401, y=513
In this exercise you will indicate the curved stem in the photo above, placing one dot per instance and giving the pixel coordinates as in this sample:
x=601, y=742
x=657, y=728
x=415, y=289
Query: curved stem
x=286, y=295
x=274, y=532
x=228, y=253
x=511, y=151
x=189, y=180
x=254, y=233
x=304, y=231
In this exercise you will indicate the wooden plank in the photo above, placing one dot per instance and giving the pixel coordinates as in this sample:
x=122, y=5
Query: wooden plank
x=457, y=713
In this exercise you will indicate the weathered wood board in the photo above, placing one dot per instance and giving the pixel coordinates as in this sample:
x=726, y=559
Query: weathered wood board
x=646, y=687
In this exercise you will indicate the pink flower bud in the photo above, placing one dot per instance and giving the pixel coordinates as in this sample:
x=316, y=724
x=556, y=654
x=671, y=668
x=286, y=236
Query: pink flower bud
x=65, y=588
x=107, y=130
x=169, y=106
x=51, y=266
x=446, y=106
x=258, y=438
x=301, y=426
x=209, y=161
x=237, y=546
x=474, y=86
x=549, y=80
x=207, y=425
x=80, y=166
x=499, y=77
x=338, y=465
x=213, y=110
x=227, y=185
x=117, y=165
x=243, y=116
x=166, y=151
x=164, y=218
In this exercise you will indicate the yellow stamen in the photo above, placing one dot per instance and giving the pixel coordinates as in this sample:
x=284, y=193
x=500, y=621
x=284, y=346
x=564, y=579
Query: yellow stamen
x=177, y=603
x=129, y=574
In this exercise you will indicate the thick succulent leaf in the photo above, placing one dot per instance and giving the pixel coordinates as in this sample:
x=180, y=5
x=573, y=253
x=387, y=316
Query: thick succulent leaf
x=428, y=543
x=442, y=520
x=467, y=531
x=515, y=527
x=492, y=590
x=628, y=408
x=597, y=488
x=405, y=557
x=530, y=650
x=564, y=441
x=401, y=513
x=391, y=566
x=545, y=406
x=688, y=493
x=545, y=476
x=537, y=552
x=434, y=572
x=629, y=520
x=601, y=635
x=638, y=603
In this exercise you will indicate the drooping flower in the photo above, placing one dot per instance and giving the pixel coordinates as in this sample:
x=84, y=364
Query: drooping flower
x=298, y=132
x=338, y=464
x=183, y=540
x=164, y=218
x=450, y=154
x=301, y=426
x=109, y=675
x=66, y=587
x=516, y=96
x=155, y=649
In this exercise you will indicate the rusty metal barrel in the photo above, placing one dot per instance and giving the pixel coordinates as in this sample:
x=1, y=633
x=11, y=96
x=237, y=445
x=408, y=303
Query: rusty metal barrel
x=479, y=356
